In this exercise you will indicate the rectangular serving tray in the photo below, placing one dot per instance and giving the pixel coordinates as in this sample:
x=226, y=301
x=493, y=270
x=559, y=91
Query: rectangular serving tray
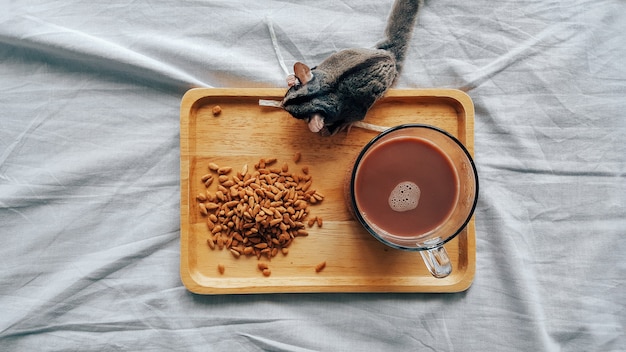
x=245, y=132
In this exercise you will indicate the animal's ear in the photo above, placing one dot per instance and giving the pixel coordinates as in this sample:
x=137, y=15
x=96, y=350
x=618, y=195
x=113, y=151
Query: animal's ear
x=303, y=72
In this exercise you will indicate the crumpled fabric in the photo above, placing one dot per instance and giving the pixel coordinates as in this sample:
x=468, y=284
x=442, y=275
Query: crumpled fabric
x=89, y=174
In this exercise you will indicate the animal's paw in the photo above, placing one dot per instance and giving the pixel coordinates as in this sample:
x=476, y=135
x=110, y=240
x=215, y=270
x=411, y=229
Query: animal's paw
x=292, y=80
x=316, y=123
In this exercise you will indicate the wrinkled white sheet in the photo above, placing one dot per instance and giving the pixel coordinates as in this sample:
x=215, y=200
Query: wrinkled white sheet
x=89, y=174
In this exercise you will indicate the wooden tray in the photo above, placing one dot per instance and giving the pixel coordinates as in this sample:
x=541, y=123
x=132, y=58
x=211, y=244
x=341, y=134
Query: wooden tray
x=245, y=132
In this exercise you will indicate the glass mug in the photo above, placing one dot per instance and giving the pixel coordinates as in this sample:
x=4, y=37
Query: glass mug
x=414, y=187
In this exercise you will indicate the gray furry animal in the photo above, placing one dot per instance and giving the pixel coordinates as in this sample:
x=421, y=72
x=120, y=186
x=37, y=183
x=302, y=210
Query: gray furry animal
x=341, y=89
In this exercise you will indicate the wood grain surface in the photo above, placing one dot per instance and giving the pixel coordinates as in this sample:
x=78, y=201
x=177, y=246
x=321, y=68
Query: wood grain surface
x=244, y=132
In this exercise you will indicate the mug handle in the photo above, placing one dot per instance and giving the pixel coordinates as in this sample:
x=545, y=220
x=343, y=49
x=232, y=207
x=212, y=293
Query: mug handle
x=437, y=260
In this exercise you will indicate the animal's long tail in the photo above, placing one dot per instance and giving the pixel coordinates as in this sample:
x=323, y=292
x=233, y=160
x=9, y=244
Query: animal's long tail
x=399, y=29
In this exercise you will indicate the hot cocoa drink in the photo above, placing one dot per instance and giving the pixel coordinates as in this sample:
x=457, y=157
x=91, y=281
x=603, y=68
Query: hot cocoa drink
x=406, y=186
x=414, y=187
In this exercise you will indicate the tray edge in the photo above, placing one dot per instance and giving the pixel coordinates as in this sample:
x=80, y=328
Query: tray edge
x=193, y=97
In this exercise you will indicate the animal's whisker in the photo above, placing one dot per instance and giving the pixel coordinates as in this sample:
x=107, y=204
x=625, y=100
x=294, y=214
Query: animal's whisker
x=369, y=126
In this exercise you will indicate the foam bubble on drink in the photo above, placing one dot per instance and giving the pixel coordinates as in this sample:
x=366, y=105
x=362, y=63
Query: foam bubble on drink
x=404, y=197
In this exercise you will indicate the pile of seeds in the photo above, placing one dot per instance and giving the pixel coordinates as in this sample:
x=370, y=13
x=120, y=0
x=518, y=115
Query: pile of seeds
x=257, y=212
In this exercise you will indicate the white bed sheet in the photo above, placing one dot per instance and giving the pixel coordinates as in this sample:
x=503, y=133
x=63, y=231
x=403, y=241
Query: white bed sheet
x=89, y=174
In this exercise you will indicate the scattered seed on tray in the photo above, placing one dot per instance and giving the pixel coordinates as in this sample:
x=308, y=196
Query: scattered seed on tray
x=319, y=267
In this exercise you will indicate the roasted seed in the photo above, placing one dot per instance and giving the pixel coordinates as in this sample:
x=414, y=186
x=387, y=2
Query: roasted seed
x=251, y=182
x=235, y=253
x=213, y=167
x=223, y=190
x=275, y=222
x=267, y=272
x=229, y=242
x=221, y=268
x=203, y=210
x=296, y=157
x=210, y=243
x=231, y=204
x=320, y=222
x=216, y=110
x=224, y=170
x=319, y=267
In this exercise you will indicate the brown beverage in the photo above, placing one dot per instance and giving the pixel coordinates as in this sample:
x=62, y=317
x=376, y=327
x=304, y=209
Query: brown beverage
x=406, y=186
